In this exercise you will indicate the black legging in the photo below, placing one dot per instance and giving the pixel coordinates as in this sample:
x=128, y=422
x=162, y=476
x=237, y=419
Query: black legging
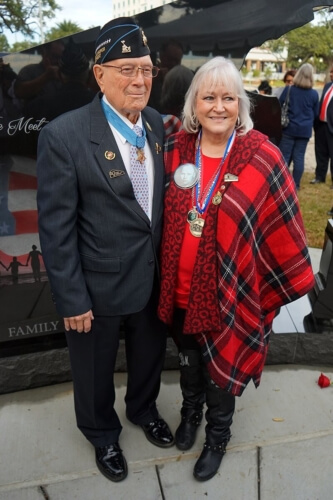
x=183, y=341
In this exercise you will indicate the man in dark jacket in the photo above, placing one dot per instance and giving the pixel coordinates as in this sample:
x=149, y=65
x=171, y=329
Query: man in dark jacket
x=323, y=128
x=100, y=235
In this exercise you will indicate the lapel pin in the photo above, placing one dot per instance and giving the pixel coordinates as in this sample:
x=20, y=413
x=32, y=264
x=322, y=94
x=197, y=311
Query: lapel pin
x=149, y=127
x=158, y=148
x=116, y=173
x=230, y=178
x=109, y=155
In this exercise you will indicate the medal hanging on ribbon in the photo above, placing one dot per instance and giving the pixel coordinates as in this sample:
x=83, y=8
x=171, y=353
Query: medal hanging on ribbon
x=140, y=156
x=194, y=218
x=140, y=144
x=129, y=134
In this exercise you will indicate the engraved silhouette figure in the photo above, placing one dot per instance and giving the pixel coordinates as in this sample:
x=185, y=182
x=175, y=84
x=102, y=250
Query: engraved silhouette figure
x=33, y=257
x=14, y=266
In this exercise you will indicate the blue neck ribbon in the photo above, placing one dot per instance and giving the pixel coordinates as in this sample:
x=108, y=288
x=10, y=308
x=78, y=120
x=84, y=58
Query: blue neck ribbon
x=125, y=130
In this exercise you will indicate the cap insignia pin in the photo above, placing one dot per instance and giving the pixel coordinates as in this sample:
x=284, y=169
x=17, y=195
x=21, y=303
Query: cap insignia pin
x=144, y=39
x=125, y=48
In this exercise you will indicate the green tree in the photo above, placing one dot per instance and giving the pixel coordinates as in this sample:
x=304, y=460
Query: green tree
x=310, y=44
x=23, y=45
x=24, y=15
x=64, y=28
x=4, y=45
x=277, y=46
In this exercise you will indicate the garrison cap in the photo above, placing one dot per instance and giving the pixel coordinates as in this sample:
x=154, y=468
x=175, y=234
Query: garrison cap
x=120, y=38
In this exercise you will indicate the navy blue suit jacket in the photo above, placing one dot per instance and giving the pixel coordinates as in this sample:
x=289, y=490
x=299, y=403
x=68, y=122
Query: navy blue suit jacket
x=99, y=247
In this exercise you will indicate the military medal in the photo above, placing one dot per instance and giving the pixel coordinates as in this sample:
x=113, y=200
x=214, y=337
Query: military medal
x=200, y=198
x=140, y=155
x=196, y=227
x=217, y=198
x=138, y=141
x=192, y=215
x=186, y=176
x=196, y=222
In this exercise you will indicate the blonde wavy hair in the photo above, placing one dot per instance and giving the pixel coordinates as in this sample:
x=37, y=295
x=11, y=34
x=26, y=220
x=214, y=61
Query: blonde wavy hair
x=218, y=71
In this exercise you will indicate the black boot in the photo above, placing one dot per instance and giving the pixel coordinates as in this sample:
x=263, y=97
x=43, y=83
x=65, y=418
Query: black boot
x=192, y=383
x=220, y=410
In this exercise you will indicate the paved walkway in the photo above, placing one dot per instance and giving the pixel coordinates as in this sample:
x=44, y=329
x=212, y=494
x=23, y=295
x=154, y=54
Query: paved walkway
x=281, y=446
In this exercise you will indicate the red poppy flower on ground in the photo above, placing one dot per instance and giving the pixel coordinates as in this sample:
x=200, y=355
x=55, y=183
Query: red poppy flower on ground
x=324, y=381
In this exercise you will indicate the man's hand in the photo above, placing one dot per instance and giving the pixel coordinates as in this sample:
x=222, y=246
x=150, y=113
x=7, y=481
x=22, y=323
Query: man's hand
x=80, y=323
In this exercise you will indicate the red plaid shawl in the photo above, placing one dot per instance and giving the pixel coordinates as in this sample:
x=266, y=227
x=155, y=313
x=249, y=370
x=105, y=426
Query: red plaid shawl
x=252, y=257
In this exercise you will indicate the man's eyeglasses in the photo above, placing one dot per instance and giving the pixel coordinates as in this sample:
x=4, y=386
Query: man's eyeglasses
x=132, y=71
x=289, y=81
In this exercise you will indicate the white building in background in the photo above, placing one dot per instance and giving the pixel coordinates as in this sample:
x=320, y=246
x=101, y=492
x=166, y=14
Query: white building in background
x=132, y=7
x=261, y=59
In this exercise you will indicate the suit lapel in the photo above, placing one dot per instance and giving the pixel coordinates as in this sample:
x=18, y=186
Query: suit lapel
x=156, y=148
x=110, y=161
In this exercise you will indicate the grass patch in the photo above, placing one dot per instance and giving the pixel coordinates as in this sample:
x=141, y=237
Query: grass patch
x=315, y=200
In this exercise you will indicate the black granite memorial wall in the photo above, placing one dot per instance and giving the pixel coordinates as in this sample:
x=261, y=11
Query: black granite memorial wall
x=29, y=322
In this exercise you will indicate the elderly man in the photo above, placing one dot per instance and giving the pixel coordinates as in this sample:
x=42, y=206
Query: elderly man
x=100, y=197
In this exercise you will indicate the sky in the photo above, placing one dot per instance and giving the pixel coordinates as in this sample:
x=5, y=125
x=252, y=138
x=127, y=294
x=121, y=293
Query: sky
x=85, y=13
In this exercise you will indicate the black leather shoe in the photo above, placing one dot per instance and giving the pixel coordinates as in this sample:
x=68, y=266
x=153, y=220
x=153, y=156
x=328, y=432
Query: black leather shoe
x=187, y=430
x=111, y=462
x=209, y=461
x=158, y=433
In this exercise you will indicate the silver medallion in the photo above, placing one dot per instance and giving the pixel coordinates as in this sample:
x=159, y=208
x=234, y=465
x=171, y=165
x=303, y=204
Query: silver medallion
x=186, y=176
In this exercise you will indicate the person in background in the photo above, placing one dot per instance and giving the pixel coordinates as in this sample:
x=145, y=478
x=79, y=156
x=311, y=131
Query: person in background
x=323, y=128
x=175, y=86
x=303, y=108
x=100, y=201
x=73, y=91
x=233, y=251
x=43, y=78
x=170, y=55
x=265, y=88
x=288, y=79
